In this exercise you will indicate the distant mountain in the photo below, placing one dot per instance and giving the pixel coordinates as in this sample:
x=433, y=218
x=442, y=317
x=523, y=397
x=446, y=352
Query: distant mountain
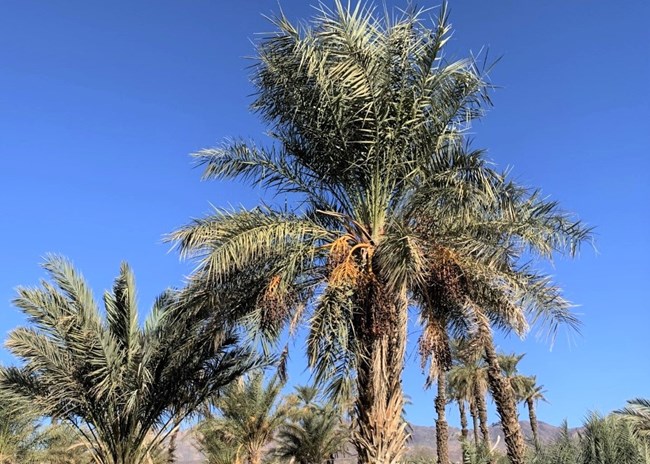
x=423, y=439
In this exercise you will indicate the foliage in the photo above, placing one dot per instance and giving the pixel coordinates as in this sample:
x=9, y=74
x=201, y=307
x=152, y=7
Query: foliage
x=250, y=413
x=124, y=388
x=315, y=432
x=563, y=450
x=602, y=440
x=216, y=447
x=637, y=413
x=420, y=455
x=19, y=431
x=368, y=121
x=608, y=440
x=480, y=454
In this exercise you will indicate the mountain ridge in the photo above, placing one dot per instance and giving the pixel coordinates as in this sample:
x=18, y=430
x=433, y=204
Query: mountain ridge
x=423, y=440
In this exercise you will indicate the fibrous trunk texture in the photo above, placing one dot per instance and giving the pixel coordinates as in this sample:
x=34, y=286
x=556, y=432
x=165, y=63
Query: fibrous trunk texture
x=533, y=422
x=380, y=436
x=464, y=433
x=481, y=409
x=255, y=456
x=474, y=413
x=504, y=398
x=442, y=432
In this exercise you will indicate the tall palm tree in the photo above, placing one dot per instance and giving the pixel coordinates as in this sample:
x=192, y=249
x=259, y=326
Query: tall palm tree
x=315, y=434
x=531, y=393
x=250, y=414
x=123, y=387
x=368, y=123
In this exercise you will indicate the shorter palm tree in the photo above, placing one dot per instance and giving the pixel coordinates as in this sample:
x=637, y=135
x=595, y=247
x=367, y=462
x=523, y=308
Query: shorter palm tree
x=19, y=431
x=216, y=447
x=531, y=393
x=316, y=433
x=638, y=413
x=250, y=414
x=123, y=387
x=61, y=444
x=565, y=449
x=609, y=440
x=468, y=379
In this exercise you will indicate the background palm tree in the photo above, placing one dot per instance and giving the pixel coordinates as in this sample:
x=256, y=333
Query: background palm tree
x=455, y=395
x=565, y=449
x=124, y=388
x=250, y=414
x=468, y=378
x=19, y=431
x=609, y=440
x=637, y=412
x=368, y=121
x=315, y=433
x=531, y=393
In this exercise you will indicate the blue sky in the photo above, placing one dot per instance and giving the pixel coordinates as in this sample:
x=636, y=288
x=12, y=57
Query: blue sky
x=100, y=103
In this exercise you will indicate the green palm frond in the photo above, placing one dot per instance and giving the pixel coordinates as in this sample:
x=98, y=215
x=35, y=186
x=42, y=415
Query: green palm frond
x=123, y=388
x=227, y=242
x=638, y=412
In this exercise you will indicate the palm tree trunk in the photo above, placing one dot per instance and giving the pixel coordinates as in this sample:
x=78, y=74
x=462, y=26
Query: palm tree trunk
x=255, y=456
x=474, y=412
x=533, y=422
x=481, y=409
x=504, y=398
x=380, y=436
x=442, y=431
x=464, y=433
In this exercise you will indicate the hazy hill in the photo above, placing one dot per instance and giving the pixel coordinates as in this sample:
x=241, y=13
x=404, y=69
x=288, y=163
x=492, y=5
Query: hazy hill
x=422, y=437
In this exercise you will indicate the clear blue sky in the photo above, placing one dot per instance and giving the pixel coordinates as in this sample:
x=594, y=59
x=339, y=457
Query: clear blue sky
x=100, y=103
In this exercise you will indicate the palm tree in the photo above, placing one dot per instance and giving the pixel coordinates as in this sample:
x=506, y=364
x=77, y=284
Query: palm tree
x=19, y=431
x=468, y=378
x=637, y=412
x=124, y=388
x=455, y=396
x=531, y=394
x=368, y=121
x=216, y=447
x=60, y=443
x=565, y=449
x=609, y=440
x=316, y=432
x=250, y=415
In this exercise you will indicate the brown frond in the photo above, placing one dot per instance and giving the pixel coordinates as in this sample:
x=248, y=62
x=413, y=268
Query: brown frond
x=346, y=273
x=339, y=252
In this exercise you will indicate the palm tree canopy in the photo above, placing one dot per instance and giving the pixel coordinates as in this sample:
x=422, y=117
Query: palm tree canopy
x=315, y=431
x=367, y=119
x=120, y=384
x=250, y=413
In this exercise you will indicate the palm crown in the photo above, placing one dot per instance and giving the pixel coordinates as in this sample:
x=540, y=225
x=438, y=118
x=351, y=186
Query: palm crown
x=393, y=208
